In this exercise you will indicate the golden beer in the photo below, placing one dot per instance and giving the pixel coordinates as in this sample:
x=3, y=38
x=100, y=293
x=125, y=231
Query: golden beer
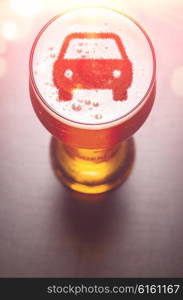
x=92, y=85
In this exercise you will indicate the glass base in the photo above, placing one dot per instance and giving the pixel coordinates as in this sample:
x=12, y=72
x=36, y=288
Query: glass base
x=92, y=171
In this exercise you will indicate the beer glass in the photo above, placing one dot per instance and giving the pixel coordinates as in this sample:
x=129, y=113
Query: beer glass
x=92, y=85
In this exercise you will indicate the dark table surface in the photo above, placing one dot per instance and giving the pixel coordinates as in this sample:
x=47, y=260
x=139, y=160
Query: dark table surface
x=137, y=231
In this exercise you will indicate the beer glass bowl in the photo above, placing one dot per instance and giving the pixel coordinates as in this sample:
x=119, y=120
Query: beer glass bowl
x=92, y=85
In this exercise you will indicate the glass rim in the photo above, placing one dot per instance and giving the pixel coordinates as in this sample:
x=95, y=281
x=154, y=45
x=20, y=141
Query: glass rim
x=74, y=123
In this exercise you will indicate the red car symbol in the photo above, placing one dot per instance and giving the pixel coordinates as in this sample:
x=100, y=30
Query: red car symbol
x=92, y=61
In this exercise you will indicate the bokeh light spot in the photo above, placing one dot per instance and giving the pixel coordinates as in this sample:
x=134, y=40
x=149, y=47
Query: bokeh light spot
x=177, y=81
x=27, y=8
x=9, y=30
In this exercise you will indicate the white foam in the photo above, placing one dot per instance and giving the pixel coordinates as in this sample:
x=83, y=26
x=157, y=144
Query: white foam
x=94, y=106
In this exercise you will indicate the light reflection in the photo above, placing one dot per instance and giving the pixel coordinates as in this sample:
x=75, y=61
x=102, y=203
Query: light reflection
x=176, y=81
x=18, y=10
x=3, y=67
x=60, y=6
x=9, y=30
x=27, y=8
x=156, y=8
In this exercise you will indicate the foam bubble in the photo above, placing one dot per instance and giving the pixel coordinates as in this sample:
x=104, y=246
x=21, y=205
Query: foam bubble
x=98, y=116
x=76, y=107
x=95, y=104
x=87, y=102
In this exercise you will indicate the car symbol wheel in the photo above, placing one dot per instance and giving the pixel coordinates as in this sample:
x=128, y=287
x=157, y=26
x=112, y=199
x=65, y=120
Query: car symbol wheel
x=116, y=73
x=68, y=73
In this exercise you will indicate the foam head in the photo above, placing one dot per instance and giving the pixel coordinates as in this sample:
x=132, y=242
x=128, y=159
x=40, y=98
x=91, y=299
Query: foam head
x=92, y=65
